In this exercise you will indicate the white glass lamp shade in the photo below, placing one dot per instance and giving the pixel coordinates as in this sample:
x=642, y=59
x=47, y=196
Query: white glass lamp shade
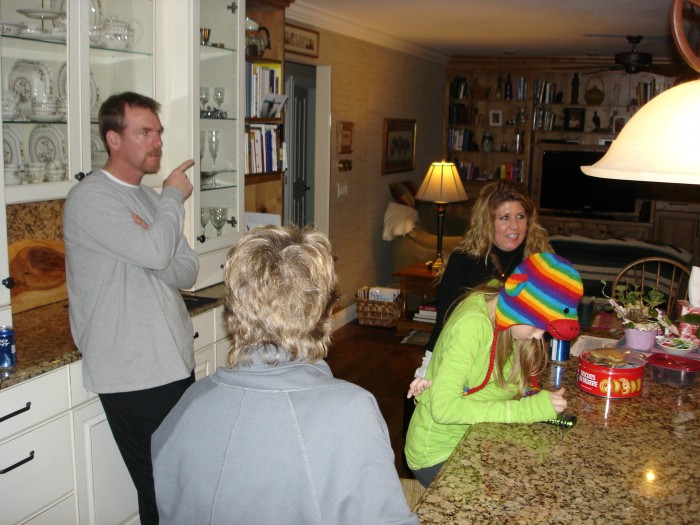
x=660, y=143
x=442, y=184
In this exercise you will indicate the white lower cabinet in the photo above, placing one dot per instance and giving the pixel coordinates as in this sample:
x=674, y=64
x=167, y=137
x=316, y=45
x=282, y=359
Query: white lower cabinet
x=105, y=492
x=37, y=470
x=204, y=362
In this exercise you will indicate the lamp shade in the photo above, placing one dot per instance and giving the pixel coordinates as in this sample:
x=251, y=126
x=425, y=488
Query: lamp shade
x=660, y=143
x=442, y=184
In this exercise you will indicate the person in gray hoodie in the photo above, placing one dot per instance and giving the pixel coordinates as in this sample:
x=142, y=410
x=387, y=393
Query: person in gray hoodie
x=274, y=438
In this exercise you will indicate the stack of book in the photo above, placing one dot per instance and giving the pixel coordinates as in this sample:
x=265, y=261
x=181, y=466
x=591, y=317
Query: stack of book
x=427, y=313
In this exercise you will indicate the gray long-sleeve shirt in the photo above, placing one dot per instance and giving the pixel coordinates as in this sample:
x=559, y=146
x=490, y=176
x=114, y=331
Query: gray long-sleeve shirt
x=276, y=444
x=127, y=316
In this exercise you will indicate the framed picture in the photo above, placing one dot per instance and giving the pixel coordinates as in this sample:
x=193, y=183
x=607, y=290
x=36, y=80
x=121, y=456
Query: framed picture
x=345, y=137
x=399, y=145
x=301, y=40
x=618, y=124
x=574, y=119
x=495, y=117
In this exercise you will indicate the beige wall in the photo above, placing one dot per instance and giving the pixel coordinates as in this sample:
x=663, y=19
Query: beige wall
x=370, y=83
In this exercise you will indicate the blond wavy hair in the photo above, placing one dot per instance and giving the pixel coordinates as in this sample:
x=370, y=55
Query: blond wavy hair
x=280, y=291
x=530, y=357
x=478, y=239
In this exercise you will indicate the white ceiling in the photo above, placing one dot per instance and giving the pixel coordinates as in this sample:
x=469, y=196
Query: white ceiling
x=442, y=28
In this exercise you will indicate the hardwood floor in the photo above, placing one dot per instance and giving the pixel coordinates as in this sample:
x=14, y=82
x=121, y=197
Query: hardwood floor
x=375, y=359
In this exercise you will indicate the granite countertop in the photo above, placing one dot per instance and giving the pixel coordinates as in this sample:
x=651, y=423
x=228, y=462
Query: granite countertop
x=44, y=341
x=625, y=461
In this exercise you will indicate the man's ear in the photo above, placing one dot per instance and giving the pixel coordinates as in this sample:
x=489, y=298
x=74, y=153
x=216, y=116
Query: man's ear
x=113, y=139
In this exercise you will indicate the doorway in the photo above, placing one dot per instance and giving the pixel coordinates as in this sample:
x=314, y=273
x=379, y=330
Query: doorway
x=307, y=139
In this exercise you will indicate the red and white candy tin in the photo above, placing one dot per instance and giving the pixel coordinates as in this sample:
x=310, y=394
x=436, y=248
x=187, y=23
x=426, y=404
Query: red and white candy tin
x=620, y=382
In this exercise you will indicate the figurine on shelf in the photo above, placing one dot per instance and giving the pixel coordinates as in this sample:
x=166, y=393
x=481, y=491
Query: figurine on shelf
x=596, y=121
x=575, y=82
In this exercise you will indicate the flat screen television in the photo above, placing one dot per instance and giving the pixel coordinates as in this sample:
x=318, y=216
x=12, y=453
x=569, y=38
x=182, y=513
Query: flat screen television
x=565, y=189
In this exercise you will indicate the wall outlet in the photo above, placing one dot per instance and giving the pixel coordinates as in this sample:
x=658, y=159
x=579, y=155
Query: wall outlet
x=342, y=189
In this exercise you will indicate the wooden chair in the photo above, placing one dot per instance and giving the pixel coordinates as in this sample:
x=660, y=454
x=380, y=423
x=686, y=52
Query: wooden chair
x=666, y=275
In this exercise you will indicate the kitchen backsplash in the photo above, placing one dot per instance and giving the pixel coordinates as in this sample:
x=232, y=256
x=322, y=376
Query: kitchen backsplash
x=35, y=220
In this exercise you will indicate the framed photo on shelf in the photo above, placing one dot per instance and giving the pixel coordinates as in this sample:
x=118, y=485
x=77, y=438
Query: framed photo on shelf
x=495, y=117
x=399, y=145
x=345, y=137
x=618, y=124
x=301, y=40
x=574, y=119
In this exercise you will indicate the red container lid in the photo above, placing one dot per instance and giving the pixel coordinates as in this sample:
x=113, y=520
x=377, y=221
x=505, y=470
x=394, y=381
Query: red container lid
x=674, y=362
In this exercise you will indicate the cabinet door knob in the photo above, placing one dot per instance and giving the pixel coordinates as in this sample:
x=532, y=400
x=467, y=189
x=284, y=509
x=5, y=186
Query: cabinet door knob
x=8, y=282
x=202, y=238
x=196, y=335
x=79, y=176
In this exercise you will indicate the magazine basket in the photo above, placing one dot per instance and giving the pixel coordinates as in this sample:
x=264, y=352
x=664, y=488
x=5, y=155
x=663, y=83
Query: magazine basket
x=378, y=313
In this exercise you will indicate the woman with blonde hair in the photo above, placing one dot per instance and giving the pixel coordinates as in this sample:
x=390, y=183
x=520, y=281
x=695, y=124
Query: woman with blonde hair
x=274, y=438
x=504, y=230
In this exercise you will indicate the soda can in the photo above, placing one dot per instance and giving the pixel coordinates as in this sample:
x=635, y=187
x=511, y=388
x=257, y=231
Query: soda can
x=8, y=357
x=556, y=375
x=559, y=350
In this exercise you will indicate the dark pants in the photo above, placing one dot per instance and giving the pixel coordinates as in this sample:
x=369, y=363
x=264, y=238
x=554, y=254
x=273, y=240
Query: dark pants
x=133, y=418
x=425, y=476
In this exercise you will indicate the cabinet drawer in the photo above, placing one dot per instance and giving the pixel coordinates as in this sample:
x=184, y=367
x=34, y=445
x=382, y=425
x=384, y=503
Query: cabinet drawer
x=44, y=477
x=204, y=329
x=61, y=513
x=33, y=401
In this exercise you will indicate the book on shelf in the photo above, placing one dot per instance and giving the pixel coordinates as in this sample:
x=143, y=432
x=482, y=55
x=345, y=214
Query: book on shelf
x=261, y=78
x=421, y=318
x=272, y=105
x=263, y=149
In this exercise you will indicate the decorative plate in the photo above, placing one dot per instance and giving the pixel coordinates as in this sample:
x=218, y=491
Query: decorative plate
x=676, y=345
x=12, y=147
x=30, y=78
x=46, y=144
x=41, y=14
x=63, y=82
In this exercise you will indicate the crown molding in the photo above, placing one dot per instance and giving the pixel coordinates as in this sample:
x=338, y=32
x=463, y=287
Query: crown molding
x=320, y=18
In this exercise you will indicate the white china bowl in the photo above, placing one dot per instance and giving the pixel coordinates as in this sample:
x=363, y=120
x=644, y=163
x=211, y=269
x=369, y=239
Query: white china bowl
x=11, y=28
x=675, y=345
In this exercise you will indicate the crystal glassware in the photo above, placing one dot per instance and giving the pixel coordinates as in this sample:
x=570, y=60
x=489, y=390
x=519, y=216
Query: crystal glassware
x=219, y=216
x=219, y=94
x=206, y=216
x=202, y=144
x=214, y=141
x=203, y=97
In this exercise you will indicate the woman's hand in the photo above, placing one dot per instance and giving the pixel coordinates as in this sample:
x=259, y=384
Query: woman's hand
x=417, y=387
x=557, y=399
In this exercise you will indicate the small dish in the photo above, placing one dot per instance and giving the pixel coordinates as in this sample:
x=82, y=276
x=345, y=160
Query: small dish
x=12, y=147
x=46, y=144
x=11, y=28
x=675, y=345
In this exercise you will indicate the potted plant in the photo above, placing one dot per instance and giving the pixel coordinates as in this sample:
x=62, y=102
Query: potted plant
x=640, y=315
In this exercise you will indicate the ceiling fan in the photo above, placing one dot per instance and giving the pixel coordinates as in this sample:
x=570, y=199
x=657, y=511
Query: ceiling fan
x=633, y=61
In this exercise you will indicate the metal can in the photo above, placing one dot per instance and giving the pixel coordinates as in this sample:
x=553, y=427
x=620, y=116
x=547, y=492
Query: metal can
x=559, y=350
x=8, y=356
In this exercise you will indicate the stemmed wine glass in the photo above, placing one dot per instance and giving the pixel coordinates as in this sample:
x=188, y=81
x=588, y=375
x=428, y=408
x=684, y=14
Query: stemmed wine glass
x=203, y=97
x=219, y=216
x=219, y=94
x=202, y=144
x=214, y=141
x=206, y=215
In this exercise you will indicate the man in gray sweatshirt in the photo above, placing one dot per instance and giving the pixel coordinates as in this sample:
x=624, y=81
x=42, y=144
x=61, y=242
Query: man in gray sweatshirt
x=126, y=259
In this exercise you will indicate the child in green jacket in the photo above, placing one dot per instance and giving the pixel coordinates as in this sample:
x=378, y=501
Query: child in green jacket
x=485, y=362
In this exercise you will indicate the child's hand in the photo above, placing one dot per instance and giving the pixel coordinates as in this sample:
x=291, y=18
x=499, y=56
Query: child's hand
x=417, y=387
x=557, y=399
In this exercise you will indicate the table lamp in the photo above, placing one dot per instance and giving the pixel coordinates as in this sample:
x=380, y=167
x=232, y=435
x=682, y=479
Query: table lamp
x=441, y=186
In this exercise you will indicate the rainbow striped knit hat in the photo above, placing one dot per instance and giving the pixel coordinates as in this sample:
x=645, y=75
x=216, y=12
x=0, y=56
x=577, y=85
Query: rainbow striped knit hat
x=543, y=291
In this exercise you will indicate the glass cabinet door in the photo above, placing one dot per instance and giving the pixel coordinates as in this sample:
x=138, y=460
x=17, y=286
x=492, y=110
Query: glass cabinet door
x=121, y=47
x=219, y=191
x=50, y=99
